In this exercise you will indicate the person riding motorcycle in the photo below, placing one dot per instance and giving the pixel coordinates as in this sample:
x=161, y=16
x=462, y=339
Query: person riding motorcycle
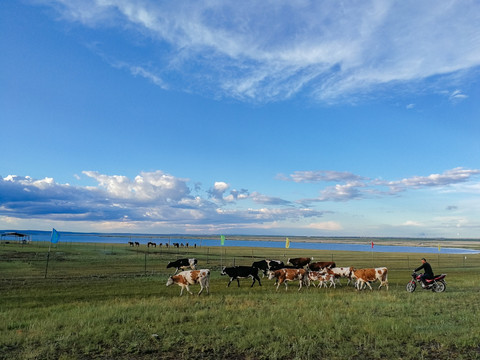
x=428, y=272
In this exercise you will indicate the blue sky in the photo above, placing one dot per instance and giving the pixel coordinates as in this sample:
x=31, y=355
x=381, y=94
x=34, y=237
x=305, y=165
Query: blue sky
x=224, y=117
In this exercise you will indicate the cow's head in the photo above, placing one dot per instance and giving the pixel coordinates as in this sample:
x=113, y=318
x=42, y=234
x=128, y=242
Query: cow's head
x=271, y=274
x=223, y=271
x=170, y=264
x=170, y=281
x=193, y=263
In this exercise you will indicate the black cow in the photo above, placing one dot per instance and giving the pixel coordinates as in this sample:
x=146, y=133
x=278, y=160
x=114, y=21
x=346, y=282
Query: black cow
x=241, y=272
x=275, y=265
x=261, y=265
x=182, y=264
x=266, y=265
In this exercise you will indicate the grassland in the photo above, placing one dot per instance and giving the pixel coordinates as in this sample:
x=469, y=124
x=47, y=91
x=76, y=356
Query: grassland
x=110, y=302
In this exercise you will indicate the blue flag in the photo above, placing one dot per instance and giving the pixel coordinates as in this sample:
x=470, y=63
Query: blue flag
x=55, y=236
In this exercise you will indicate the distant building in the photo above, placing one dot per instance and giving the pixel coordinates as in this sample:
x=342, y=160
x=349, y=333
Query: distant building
x=15, y=236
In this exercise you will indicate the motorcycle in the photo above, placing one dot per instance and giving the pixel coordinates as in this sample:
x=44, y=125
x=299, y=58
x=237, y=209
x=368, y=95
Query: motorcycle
x=437, y=284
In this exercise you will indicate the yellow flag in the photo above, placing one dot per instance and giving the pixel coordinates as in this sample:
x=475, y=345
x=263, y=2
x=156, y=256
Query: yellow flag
x=439, y=247
x=287, y=243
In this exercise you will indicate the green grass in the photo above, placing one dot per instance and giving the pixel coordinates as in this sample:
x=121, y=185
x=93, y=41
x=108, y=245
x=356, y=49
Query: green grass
x=111, y=302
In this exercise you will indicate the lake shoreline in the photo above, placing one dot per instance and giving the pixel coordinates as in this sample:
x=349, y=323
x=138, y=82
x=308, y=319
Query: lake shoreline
x=143, y=238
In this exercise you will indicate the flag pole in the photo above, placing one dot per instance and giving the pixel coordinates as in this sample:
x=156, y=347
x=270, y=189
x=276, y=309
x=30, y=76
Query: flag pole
x=53, y=240
x=48, y=258
x=373, y=263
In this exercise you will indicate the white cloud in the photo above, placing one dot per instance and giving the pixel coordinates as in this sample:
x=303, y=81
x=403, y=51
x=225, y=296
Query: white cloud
x=412, y=223
x=326, y=225
x=449, y=177
x=146, y=186
x=270, y=50
x=218, y=189
x=322, y=175
x=150, y=197
x=351, y=186
x=457, y=95
x=155, y=199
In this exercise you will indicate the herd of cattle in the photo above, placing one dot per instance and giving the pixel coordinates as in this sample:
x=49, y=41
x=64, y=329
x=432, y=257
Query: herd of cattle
x=150, y=243
x=302, y=270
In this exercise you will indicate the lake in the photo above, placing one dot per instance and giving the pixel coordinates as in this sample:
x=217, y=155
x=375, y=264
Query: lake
x=212, y=242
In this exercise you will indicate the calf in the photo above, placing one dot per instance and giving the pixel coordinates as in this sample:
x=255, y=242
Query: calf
x=241, y=272
x=182, y=264
x=191, y=277
x=322, y=278
x=285, y=275
x=366, y=276
x=319, y=265
x=300, y=262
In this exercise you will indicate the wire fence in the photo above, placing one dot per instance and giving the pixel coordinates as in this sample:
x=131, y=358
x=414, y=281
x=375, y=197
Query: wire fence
x=41, y=260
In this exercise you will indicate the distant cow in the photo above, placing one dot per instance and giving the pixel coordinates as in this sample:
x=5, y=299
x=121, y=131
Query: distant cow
x=300, y=262
x=137, y=243
x=241, y=272
x=366, y=276
x=182, y=264
x=130, y=243
x=285, y=275
x=151, y=244
x=191, y=277
x=319, y=265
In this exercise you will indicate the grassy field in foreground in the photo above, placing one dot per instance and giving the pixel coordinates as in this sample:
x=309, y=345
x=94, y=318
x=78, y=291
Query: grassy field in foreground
x=111, y=302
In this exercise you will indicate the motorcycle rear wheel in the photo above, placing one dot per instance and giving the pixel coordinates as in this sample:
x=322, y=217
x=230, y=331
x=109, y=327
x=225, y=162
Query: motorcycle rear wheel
x=439, y=286
x=411, y=286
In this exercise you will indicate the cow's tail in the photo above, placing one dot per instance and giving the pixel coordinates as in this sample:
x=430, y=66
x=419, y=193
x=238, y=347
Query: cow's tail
x=385, y=276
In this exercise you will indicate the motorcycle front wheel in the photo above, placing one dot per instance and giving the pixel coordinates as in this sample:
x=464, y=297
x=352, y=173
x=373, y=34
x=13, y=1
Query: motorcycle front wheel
x=411, y=286
x=439, y=286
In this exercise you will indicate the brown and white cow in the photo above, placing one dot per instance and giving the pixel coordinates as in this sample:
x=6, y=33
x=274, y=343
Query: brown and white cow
x=319, y=265
x=366, y=276
x=341, y=272
x=300, y=262
x=322, y=278
x=285, y=275
x=191, y=277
